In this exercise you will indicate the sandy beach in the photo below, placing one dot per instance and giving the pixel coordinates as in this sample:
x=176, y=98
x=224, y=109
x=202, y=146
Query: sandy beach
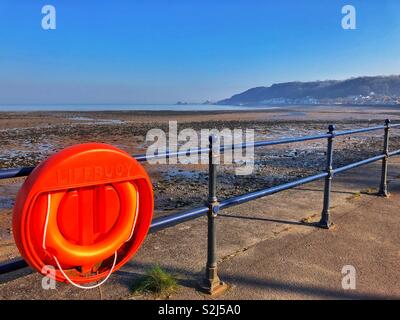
x=29, y=137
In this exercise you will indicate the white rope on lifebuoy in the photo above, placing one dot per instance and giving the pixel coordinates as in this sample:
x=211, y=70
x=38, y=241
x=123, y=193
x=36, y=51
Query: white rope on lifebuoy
x=136, y=215
x=115, y=253
x=47, y=220
x=87, y=287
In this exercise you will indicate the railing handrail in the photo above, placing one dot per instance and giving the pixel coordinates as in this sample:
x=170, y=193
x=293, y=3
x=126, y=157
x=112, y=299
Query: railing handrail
x=25, y=171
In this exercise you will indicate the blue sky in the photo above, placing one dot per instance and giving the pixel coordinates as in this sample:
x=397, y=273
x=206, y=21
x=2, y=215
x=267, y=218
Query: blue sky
x=144, y=51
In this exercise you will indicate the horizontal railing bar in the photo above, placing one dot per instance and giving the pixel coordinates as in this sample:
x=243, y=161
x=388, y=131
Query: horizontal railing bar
x=14, y=173
x=143, y=157
x=349, y=132
x=20, y=172
x=265, y=143
x=174, y=219
x=264, y=192
x=13, y=266
x=171, y=220
x=394, y=153
x=257, y=144
x=156, y=225
x=358, y=164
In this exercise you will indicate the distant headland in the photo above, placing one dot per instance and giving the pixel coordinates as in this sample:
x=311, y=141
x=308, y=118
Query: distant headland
x=379, y=90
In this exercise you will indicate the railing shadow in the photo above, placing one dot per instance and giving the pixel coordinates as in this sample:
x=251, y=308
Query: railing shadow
x=321, y=190
x=291, y=222
x=191, y=280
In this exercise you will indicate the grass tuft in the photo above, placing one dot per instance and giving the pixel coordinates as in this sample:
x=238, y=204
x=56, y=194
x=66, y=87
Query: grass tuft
x=156, y=281
x=370, y=191
x=309, y=219
x=355, y=195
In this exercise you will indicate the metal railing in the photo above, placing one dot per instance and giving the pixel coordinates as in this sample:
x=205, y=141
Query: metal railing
x=212, y=283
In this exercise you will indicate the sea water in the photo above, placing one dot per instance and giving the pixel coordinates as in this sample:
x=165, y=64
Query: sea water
x=127, y=107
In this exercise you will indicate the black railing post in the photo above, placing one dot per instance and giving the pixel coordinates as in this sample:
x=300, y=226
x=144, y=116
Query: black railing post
x=383, y=190
x=325, y=215
x=212, y=284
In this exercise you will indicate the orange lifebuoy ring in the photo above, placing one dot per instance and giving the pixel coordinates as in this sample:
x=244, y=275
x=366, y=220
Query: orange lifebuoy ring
x=81, y=209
